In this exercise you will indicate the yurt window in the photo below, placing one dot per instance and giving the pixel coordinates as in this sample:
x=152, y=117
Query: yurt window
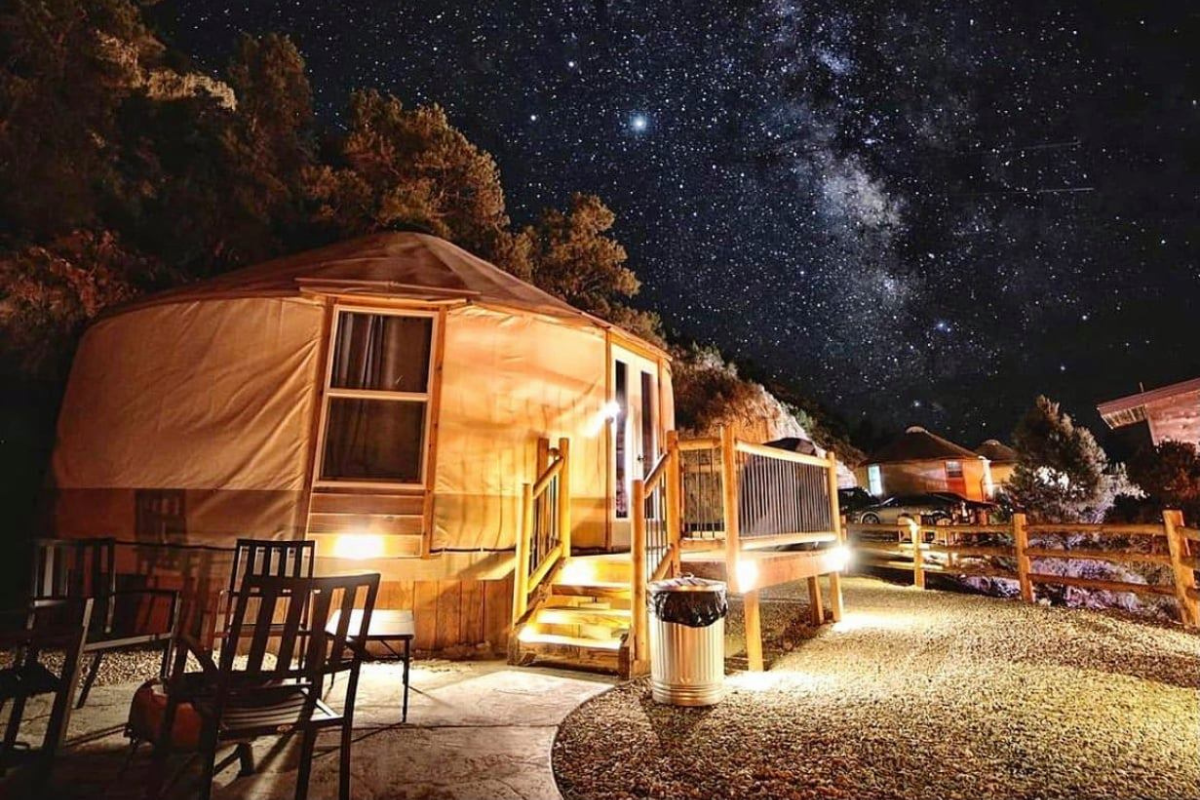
x=377, y=398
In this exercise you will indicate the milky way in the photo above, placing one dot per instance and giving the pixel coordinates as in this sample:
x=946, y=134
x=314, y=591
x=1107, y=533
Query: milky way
x=922, y=212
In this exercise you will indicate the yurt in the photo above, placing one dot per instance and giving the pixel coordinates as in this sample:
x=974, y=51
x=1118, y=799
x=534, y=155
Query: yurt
x=919, y=462
x=1002, y=460
x=384, y=396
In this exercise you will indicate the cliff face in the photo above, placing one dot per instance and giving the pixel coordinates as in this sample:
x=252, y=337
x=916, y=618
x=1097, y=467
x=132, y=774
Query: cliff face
x=709, y=395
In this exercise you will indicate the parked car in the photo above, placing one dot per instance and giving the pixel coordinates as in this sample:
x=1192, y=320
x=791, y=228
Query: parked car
x=928, y=509
x=851, y=501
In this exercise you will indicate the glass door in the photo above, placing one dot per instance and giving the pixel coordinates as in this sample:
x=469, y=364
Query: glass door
x=635, y=436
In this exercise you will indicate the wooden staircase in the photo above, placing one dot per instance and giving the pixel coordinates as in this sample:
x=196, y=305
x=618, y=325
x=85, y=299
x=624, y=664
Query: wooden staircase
x=581, y=618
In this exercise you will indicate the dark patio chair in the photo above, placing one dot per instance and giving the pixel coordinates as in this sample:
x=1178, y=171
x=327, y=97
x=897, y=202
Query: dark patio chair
x=288, y=558
x=122, y=619
x=58, y=626
x=250, y=696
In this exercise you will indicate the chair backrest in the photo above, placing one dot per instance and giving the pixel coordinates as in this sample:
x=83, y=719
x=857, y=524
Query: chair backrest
x=288, y=558
x=296, y=612
x=77, y=569
x=58, y=626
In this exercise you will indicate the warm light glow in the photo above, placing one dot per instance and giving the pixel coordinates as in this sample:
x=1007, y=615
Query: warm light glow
x=607, y=414
x=841, y=557
x=747, y=576
x=358, y=546
x=579, y=572
x=528, y=633
x=865, y=620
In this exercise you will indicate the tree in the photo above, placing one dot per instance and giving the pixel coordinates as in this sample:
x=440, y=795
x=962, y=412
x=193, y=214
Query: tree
x=1062, y=474
x=1169, y=473
x=575, y=257
x=47, y=295
x=400, y=169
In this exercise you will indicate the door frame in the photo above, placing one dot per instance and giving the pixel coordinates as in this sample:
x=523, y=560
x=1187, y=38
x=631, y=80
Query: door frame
x=618, y=530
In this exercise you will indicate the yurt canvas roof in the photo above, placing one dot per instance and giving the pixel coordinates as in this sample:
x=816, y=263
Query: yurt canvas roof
x=997, y=452
x=918, y=444
x=409, y=265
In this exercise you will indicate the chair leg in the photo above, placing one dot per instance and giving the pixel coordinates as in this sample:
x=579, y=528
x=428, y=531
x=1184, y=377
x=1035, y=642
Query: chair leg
x=93, y=671
x=304, y=774
x=14, y=724
x=208, y=766
x=245, y=755
x=344, y=762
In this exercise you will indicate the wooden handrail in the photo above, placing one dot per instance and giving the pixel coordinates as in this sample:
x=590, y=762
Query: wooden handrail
x=1107, y=529
x=544, y=480
x=553, y=465
x=780, y=455
x=702, y=443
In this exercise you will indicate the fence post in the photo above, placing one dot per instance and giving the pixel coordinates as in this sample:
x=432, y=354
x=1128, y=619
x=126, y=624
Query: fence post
x=729, y=492
x=914, y=532
x=521, y=571
x=564, y=497
x=1020, y=545
x=835, y=519
x=674, y=501
x=639, y=617
x=1185, y=577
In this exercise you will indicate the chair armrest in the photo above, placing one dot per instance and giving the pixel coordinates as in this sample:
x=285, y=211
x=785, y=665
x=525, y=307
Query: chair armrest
x=189, y=644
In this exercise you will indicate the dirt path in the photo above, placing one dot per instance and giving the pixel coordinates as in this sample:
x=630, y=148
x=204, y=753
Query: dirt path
x=914, y=695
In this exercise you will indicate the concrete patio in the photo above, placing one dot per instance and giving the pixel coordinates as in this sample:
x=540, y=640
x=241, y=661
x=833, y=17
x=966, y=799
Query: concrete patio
x=475, y=731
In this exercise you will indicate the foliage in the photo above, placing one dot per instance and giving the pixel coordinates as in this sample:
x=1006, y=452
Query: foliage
x=1169, y=473
x=575, y=258
x=1062, y=474
x=48, y=293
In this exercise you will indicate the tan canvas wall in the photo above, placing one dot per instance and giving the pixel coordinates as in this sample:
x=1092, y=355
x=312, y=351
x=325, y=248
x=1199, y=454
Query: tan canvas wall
x=507, y=379
x=189, y=423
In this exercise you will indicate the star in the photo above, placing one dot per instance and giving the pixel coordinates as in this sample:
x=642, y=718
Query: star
x=638, y=123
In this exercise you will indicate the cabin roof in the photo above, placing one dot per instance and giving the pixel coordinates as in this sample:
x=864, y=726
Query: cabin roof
x=997, y=452
x=1132, y=408
x=918, y=444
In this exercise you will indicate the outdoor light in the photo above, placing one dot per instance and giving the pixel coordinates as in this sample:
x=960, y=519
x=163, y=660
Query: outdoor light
x=359, y=546
x=747, y=575
x=608, y=413
x=841, y=557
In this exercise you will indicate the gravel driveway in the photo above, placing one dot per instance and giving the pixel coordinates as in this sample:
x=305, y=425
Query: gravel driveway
x=914, y=695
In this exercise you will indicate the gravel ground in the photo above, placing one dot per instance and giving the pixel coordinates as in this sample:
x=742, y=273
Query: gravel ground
x=913, y=695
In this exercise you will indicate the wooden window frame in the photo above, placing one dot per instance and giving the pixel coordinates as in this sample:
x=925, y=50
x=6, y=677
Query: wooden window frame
x=330, y=393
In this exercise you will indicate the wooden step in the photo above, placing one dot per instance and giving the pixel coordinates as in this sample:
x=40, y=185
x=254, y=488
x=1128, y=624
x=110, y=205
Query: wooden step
x=592, y=589
x=584, y=615
x=535, y=639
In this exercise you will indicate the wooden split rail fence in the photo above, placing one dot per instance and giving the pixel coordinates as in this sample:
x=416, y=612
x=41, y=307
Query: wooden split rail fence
x=1019, y=550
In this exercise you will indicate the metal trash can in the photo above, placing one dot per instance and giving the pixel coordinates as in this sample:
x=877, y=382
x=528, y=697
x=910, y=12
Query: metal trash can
x=687, y=641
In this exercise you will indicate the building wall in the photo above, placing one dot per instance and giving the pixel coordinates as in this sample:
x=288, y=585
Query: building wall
x=918, y=477
x=1175, y=418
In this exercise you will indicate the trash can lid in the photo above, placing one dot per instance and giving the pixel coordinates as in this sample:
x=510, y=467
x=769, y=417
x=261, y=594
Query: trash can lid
x=686, y=583
x=694, y=602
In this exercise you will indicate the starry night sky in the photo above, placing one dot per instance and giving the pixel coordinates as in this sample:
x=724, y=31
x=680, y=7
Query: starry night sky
x=927, y=213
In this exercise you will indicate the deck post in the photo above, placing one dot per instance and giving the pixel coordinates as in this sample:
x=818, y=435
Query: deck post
x=835, y=518
x=729, y=490
x=639, y=618
x=564, y=497
x=1185, y=577
x=1020, y=545
x=754, y=654
x=521, y=570
x=674, y=502
x=816, y=606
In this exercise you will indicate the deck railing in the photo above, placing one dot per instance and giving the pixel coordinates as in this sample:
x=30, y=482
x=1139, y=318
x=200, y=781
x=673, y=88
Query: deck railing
x=741, y=496
x=544, y=537
x=656, y=536
x=1020, y=551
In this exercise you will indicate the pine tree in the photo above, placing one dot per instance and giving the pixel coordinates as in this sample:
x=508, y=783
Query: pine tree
x=1062, y=473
